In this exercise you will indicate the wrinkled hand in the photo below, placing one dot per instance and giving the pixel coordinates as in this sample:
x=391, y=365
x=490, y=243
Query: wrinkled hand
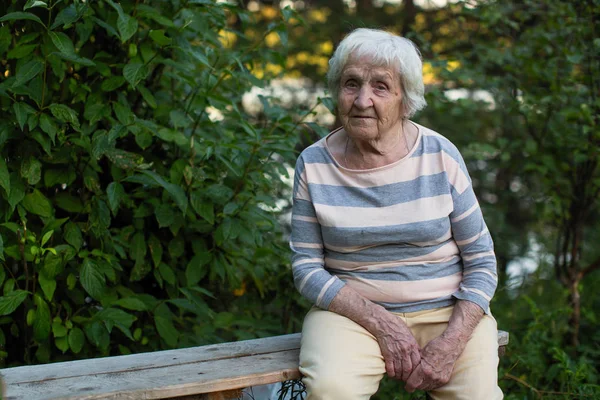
x=399, y=348
x=437, y=362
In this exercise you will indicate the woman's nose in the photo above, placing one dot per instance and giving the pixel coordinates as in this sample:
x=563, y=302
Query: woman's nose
x=363, y=99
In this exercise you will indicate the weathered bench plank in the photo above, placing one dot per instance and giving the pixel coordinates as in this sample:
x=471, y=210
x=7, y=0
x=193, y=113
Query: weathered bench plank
x=157, y=359
x=163, y=374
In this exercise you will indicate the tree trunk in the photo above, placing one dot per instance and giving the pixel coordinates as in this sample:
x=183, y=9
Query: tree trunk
x=575, y=319
x=409, y=14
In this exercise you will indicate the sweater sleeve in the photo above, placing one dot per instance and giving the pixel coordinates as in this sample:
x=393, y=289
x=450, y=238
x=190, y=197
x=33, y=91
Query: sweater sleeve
x=311, y=278
x=472, y=237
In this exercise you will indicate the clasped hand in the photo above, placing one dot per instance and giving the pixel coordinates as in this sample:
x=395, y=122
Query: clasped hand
x=428, y=368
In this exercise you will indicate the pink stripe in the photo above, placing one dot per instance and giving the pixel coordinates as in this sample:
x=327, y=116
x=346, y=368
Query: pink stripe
x=302, y=189
x=408, y=170
x=405, y=292
x=423, y=209
x=456, y=176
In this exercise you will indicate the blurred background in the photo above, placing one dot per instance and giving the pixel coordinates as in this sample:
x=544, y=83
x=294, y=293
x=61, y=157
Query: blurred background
x=147, y=149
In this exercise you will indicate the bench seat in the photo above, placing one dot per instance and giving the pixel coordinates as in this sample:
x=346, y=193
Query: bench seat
x=217, y=371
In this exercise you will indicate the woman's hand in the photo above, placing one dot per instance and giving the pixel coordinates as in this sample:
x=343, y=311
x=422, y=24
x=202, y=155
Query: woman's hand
x=398, y=346
x=440, y=355
x=437, y=362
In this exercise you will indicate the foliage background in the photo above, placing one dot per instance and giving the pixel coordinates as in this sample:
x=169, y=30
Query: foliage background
x=143, y=200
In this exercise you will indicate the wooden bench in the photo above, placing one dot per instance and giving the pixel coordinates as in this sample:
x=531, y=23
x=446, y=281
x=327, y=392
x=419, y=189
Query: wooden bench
x=211, y=372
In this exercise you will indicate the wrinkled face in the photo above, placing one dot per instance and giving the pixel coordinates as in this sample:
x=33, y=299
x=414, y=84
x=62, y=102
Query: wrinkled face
x=369, y=100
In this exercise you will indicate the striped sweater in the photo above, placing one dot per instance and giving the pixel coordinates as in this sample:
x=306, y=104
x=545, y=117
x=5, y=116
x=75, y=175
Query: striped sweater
x=409, y=236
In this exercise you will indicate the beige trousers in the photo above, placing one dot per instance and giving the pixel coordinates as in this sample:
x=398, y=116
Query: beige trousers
x=340, y=360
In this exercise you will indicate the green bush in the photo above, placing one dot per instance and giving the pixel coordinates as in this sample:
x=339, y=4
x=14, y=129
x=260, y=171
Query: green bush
x=133, y=219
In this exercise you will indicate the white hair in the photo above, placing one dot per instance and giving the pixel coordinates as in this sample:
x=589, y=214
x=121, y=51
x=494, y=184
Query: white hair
x=387, y=50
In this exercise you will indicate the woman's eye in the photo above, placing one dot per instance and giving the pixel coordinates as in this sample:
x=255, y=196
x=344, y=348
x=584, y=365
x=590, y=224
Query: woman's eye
x=351, y=84
x=381, y=87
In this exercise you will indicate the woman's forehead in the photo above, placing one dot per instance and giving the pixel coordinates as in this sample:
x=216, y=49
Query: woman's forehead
x=368, y=62
x=361, y=69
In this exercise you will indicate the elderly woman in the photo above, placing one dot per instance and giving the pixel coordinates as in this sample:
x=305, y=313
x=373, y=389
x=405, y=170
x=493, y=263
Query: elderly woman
x=389, y=242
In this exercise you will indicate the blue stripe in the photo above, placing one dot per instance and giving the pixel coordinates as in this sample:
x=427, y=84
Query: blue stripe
x=317, y=155
x=469, y=226
x=380, y=196
x=304, y=208
x=406, y=273
x=403, y=234
x=382, y=254
x=307, y=232
x=444, y=301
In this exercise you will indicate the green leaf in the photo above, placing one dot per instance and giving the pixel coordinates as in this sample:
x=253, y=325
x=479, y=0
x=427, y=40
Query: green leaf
x=22, y=111
x=65, y=17
x=147, y=95
x=92, y=279
x=97, y=334
x=64, y=114
x=156, y=250
x=68, y=203
x=27, y=72
x=204, y=208
x=140, y=270
x=175, y=191
x=35, y=3
x=21, y=51
x=159, y=37
x=135, y=72
x=1, y=258
x=123, y=113
x=72, y=235
x=124, y=159
x=48, y=286
x=179, y=119
x=143, y=139
x=76, y=340
x=287, y=13
x=12, y=301
x=131, y=303
x=4, y=176
x=42, y=323
x=137, y=250
x=53, y=265
x=167, y=273
x=115, y=316
x=62, y=42
x=5, y=39
x=47, y=125
x=328, y=102
x=115, y=193
x=38, y=204
x=109, y=29
x=127, y=27
x=17, y=190
x=58, y=329
x=176, y=247
x=112, y=83
x=46, y=237
x=164, y=325
x=44, y=141
x=76, y=59
x=164, y=215
x=13, y=16
x=195, y=271
x=32, y=170
x=62, y=344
